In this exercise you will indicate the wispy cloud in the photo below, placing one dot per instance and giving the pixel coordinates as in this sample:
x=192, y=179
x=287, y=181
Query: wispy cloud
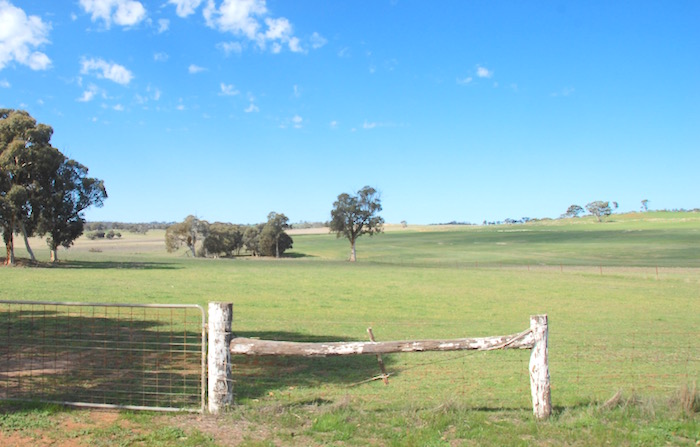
x=251, y=108
x=121, y=12
x=297, y=121
x=20, y=35
x=483, y=72
x=107, y=70
x=163, y=25
x=184, y=8
x=228, y=90
x=194, y=69
x=161, y=57
x=250, y=20
x=465, y=81
x=317, y=41
x=566, y=91
x=230, y=47
x=118, y=108
x=333, y=124
x=4, y=83
x=89, y=94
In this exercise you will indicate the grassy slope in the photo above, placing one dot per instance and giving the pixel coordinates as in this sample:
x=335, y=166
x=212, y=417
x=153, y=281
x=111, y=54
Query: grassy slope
x=609, y=331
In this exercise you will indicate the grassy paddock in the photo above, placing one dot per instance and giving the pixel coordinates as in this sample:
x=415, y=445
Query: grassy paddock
x=623, y=298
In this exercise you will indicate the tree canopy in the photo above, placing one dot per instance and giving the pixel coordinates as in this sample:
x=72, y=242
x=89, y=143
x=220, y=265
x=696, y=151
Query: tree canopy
x=355, y=215
x=599, y=209
x=41, y=190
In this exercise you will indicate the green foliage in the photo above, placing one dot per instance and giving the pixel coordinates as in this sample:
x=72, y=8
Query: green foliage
x=273, y=240
x=223, y=239
x=355, y=215
x=41, y=190
x=599, y=209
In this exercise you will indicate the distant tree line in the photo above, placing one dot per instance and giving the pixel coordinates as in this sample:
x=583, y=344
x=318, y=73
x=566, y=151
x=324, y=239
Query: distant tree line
x=42, y=192
x=203, y=239
x=138, y=228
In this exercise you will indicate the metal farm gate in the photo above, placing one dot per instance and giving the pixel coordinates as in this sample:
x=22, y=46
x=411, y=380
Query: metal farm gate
x=132, y=356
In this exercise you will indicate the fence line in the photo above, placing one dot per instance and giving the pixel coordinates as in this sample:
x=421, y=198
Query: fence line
x=223, y=345
x=131, y=356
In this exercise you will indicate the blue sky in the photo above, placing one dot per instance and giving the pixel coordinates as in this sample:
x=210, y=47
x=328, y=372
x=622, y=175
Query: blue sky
x=454, y=110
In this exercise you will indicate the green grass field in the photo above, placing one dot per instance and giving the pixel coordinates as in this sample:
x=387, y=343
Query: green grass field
x=623, y=299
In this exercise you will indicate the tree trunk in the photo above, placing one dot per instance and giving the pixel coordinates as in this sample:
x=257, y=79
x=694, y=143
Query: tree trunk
x=353, y=254
x=277, y=247
x=251, y=346
x=54, y=254
x=10, y=246
x=26, y=241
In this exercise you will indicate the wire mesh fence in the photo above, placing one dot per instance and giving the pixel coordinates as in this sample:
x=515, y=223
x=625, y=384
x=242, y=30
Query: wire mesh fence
x=584, y=370
x=103, y=355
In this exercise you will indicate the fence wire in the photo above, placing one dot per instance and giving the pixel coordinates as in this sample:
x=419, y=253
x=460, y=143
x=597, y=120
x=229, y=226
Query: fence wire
x=103, y=355
x=582, y=372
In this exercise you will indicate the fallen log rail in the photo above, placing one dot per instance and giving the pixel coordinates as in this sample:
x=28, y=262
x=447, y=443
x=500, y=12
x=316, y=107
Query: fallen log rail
x=222, y=346
x=253, y=346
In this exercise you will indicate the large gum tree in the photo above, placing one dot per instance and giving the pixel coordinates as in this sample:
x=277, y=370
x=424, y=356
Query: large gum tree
x=355, y=215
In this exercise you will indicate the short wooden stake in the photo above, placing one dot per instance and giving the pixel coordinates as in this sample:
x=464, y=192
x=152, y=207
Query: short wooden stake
x=220, y=381
x=539, y=368
x=385, y=376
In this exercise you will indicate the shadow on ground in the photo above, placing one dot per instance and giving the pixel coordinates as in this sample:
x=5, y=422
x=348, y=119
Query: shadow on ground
x=257, y=376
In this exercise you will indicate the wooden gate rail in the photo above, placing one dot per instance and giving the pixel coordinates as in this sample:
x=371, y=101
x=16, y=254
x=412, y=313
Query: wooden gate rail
x=220, y=380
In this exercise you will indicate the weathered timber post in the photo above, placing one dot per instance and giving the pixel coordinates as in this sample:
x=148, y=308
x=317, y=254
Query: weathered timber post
x=220, y=381
x=539, y=368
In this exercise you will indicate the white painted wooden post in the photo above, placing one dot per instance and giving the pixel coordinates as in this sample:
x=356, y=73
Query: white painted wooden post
x=220, y=381
x=539, y=368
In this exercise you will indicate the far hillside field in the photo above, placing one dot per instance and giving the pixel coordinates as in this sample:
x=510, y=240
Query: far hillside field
x=622, y=296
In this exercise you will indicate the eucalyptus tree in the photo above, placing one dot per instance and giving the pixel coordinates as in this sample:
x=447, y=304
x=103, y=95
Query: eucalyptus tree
x=599, y=209
x=186, y=233
x=355, y=215
x=273, y=238
x=28, y=163
x=65, y=198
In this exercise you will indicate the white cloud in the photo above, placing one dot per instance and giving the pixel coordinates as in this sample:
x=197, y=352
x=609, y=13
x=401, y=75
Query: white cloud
x=333, y=124
x=297, y=121
x=367, y=125
x=122, y=12
x=251, y=20
x=251, y=108
x=344, y=52
x=230, y=47
x=118, y=108
x=163, y=25
x=106, y=70
x=161, y=57
x=317, y=41
x=180, y=107
x=228, y=90
x=89, y=94
x=297, y=91
x=193, y=69
x=295, y=45
x=19, y=35
x=483, y=72
x=278, y=29
x=464, y=81
x=4, y=83
x=184, y=8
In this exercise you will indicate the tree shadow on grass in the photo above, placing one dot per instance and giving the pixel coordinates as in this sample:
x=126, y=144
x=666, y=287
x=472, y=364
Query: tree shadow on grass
x=96, y=265
x=256, y=376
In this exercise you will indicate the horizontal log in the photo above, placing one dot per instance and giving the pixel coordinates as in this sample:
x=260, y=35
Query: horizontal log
x=252, y=346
